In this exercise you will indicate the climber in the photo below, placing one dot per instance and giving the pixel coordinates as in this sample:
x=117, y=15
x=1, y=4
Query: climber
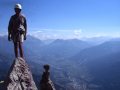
x=17, y=30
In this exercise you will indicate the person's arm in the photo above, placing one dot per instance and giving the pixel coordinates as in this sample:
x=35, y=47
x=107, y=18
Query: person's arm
x=25, y=25
x=9, y=29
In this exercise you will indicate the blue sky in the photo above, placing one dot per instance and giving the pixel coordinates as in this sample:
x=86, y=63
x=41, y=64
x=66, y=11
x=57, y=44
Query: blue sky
x=66, y=18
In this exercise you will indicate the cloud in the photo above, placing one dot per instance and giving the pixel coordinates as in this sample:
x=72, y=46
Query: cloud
x=56, y=34
x=3, y=33
x=78, y=33
x=35, y=32
x=69, y=34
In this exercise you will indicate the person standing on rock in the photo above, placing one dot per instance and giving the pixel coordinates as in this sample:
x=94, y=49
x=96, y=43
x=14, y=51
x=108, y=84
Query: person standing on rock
x=17, y=30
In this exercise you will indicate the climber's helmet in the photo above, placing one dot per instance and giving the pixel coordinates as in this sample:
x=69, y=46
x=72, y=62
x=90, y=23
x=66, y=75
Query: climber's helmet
x=18, y=8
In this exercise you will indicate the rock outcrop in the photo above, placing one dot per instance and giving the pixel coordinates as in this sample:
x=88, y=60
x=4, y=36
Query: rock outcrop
x=20, y=76
x=46, y=83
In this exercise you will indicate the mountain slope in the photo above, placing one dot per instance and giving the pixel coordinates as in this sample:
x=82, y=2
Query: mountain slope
x=100, y=64
x=98, y=51
x=106, y=71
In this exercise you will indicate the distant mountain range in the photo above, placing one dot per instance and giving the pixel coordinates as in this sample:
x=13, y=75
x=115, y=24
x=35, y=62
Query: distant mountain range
x=75, y=64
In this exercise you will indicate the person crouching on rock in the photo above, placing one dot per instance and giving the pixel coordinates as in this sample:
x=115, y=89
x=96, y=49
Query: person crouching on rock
x=17, y=30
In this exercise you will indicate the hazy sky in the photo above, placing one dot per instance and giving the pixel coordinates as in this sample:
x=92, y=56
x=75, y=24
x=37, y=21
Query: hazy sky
x=66, y=18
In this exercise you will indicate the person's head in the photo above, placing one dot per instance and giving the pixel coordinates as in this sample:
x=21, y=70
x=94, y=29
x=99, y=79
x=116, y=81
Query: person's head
x=18, y=8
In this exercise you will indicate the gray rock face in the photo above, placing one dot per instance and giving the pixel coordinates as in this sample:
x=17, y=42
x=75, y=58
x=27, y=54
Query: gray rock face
x=46, y=83
x=20, y=76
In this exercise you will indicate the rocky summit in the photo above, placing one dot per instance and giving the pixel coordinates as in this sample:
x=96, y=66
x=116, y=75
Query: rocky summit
x=20, y=76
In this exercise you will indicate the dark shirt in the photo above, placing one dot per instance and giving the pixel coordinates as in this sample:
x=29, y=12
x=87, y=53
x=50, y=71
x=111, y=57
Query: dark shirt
x=14, y=24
